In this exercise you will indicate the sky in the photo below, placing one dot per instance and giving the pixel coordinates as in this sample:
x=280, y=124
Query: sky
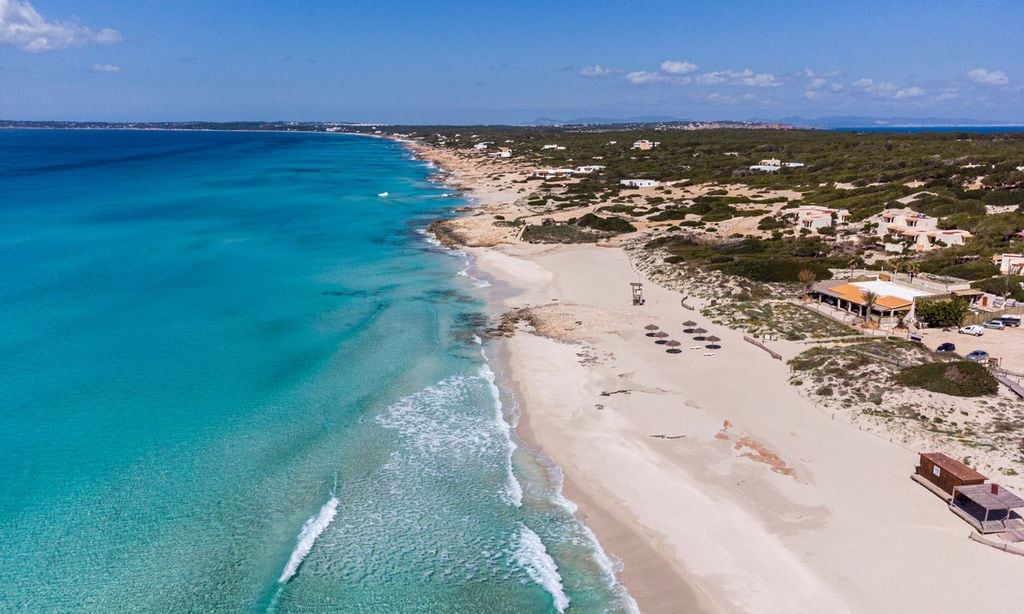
x=508, y=62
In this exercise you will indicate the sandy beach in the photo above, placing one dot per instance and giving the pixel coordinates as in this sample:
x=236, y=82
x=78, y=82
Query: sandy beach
x=716, y=484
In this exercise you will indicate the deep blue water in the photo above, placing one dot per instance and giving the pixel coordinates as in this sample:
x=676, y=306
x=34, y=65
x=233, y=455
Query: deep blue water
x=234, y=378
x=916, y=129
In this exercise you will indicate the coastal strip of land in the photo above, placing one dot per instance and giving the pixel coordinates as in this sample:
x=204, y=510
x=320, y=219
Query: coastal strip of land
x=718, y=485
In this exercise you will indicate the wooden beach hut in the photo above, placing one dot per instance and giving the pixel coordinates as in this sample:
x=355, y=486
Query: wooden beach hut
x=942, y=474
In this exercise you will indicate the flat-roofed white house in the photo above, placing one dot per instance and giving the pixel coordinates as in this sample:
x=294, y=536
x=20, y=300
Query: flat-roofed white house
x=503, y=152
x=764, y=168
x=1009, y=264
x=551, y=173
x=644, y=144
x=898, y=227
x=814, y=217
x=553, y=147
x=586, y=170
x=481, y=146
x=640, y=183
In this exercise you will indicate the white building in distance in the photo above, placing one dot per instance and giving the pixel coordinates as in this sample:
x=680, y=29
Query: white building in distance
x=645, y=145
x=813, y=217
x=639, y=183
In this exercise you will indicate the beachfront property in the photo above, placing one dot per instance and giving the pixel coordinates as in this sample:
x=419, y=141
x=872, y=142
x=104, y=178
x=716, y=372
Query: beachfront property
x=902, y=228
x=894, y=299
x=813, y=217
x=645, y=145
x=640, y=183
x=1009, y=264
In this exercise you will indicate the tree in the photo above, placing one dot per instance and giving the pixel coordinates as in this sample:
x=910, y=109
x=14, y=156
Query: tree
x=941, y=314
x=807, y=278
x=870, y=298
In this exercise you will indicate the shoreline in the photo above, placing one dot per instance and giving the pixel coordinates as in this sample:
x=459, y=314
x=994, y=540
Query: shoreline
x=714, y=496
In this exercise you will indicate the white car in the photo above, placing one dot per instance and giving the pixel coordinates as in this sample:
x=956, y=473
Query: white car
x=974, y=329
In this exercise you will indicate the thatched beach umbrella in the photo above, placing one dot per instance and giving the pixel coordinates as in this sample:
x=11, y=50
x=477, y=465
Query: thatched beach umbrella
x=700, y=334
x=651, y=328
x=661, y=335
x=713, y=343
x=689, y=324
x=673, y=346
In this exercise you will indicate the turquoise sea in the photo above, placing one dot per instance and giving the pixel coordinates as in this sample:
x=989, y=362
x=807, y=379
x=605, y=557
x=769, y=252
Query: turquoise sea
x=234, y=378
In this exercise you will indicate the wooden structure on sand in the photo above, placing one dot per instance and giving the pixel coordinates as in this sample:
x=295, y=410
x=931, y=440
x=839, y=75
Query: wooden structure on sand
x=941, y=474
x=989, y=508
x=638, y=292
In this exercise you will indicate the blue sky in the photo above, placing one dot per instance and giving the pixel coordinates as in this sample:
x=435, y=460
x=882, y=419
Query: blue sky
x=464, y=62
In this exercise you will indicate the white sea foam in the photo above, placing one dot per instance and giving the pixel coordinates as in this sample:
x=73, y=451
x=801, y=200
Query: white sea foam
x=532, y=556
x=513, y=489
x=610, y=568
x=311, y=530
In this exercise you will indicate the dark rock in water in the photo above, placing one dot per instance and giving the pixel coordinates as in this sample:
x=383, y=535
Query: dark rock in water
x=447, y=234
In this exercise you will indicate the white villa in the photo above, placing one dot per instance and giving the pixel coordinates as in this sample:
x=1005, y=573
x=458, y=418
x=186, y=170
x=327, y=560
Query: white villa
x=644, y=145
x=901, y=225
x=771, y=165
x=813, y=217
x=554, y=147
x=503, y=152
x=1009, y=264
x=551, y=173
x=640, y=183
x=586, y=170
x=481, y=146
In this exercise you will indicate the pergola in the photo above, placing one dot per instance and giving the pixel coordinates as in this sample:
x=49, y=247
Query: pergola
x=988, y=507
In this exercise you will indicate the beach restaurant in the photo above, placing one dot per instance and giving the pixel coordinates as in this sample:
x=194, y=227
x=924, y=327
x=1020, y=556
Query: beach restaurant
x=892, y=300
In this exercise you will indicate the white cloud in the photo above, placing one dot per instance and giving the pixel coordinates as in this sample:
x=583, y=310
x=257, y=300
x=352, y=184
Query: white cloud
x=988, y=77
x=880, y=88
x=106, y=68
x=22, y=26
x=743, y=77
x=673, y=67
x=597, y=71
x=909, y=92
x=816, y=83
x=643, y=77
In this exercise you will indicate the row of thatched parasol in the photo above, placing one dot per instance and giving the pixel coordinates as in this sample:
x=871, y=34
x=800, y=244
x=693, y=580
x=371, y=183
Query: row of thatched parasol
x=653, y=330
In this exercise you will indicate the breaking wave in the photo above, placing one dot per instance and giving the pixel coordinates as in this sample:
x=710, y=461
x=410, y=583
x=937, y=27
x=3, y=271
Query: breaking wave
x=532, y=556
x=311, y=530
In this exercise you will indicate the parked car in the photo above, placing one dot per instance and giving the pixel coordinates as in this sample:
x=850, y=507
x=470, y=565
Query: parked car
x=974, y=329
x=994, y=324
x=1010, y=321
x=977, y=356
x=946, y=347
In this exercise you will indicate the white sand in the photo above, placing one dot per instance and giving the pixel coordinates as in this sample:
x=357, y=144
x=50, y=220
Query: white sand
x=847, y=531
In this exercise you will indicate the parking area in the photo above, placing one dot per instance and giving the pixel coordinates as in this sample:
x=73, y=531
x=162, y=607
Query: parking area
x=1007, y=344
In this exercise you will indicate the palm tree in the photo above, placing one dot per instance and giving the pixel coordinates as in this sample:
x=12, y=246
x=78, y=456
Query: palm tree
x=807, y=278
x=870, y=298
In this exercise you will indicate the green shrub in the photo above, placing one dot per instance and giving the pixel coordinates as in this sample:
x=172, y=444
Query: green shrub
x=961, y=379
x=941, y=314
x=606, y=224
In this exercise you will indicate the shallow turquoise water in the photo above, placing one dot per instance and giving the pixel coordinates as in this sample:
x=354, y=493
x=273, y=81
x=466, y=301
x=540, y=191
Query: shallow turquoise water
x=235, y=379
